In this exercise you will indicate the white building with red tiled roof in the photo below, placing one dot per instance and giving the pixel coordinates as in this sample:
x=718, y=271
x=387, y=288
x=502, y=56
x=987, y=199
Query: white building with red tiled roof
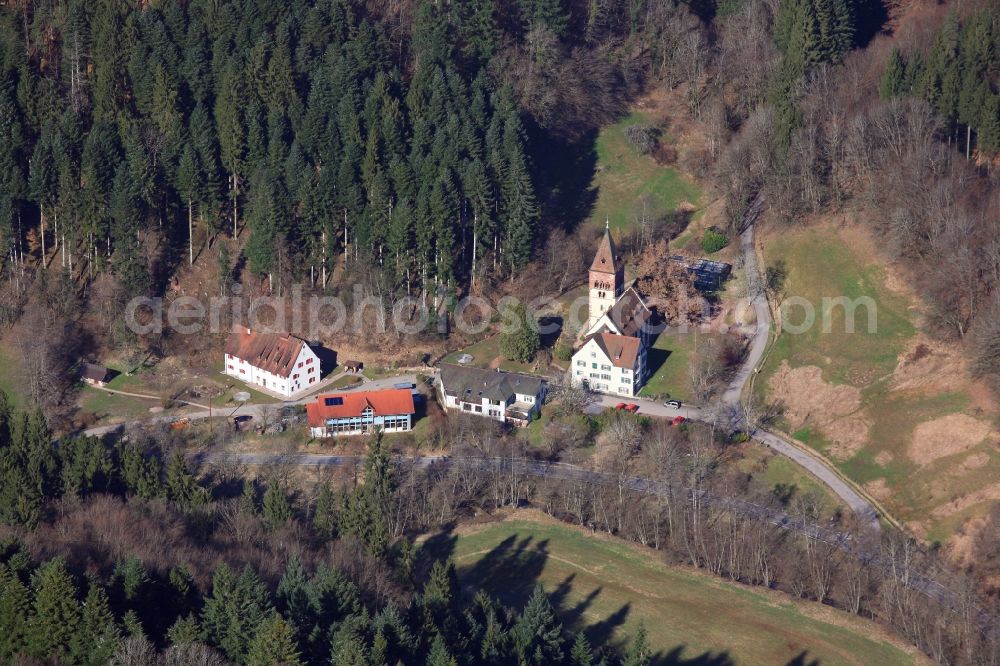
x=361, y=412
x=279, y=362
x=610, y=363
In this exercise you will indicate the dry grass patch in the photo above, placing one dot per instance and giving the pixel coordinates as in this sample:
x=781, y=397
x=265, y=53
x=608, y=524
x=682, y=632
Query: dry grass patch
x=947, y=436
x=927, y=367
x=830, y=408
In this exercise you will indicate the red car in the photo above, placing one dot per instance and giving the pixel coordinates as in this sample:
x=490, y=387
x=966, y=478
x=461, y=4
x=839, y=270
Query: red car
x=620, y=405
x=632, y=407
x=678, y=420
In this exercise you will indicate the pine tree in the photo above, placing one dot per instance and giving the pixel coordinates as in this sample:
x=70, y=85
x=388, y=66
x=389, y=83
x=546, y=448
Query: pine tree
x=294, y=596
x=99, y=633
x=894, y=77
x=274, y=644
x=204, y=140
x=15, y=615
x=639, y=652
x=538, y=634
x=548, y=14
x=581, y=654
x=520, y=208
x=184, y=631
x=439, y=655
x=380, y=650
x=181, y=486
x=55, y=620
x=276, y=511
x=235, y=610
x=131, y=577
x=248, y=499
x=324, y=516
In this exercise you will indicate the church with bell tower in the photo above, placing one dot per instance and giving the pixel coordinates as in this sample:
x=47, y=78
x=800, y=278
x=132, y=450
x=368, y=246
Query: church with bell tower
x=612, y=356
x=607, y=278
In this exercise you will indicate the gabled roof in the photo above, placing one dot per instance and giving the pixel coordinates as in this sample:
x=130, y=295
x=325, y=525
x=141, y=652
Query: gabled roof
x=606, y=260
x=628, y=316
x=621, y=350
x=94, y=372
x=271, y=352
x=474, y=384
x=390, y=402
x=629, y=313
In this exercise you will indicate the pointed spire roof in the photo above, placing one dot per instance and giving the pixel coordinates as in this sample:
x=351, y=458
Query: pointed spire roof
x=606, y=260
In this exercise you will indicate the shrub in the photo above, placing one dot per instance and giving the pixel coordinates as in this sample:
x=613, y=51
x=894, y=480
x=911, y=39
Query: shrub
x=564, y=351
x=713, y=240
x=643, y=138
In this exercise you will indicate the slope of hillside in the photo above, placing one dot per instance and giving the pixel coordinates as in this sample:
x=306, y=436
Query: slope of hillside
x=895, y=410
x=609, y=588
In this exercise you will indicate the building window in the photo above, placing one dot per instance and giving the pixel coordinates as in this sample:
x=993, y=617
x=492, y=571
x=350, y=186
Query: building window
x=230, y=366
x=582, y=364
x=300, y=364
x=593, y=366
x=606, y=368
x=310, y=370
x=308, y=361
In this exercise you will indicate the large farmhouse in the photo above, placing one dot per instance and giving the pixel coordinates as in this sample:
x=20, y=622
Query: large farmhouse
x=278, y=362
x=612, y=357
x=508, y=397
x=338, y=414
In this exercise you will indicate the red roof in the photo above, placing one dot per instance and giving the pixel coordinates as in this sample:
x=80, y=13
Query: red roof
x=621, y=350
x=272, y=352
x=390, y=402
x=606, y=260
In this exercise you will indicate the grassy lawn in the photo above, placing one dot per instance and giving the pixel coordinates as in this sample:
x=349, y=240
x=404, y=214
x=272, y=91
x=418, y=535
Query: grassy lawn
x=111, y=407
x=770, y=470
x=607, y=587
x=346, y=381
x=669, y=359
x=625, y=177
x=823, y=262
x=822, y=266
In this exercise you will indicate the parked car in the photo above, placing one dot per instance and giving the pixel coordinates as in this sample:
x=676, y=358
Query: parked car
x=676, y=404
x=620, y=405
x=632, y=407
x=678, y=420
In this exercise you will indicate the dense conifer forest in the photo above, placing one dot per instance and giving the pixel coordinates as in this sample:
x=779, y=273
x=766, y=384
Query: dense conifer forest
x=318, y=126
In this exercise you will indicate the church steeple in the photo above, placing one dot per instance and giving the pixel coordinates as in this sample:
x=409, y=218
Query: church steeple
x=606, y=260
x=607, y=277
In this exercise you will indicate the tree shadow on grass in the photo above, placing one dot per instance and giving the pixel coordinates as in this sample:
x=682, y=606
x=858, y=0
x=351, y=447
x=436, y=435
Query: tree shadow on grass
x=802, y=659
x=676, y=658
x=509, y=571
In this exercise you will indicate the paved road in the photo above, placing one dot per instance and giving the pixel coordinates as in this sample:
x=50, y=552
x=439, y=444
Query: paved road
x=255, y=411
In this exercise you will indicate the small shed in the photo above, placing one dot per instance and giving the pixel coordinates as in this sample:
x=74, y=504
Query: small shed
x=95, y=375
x=353, y=366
